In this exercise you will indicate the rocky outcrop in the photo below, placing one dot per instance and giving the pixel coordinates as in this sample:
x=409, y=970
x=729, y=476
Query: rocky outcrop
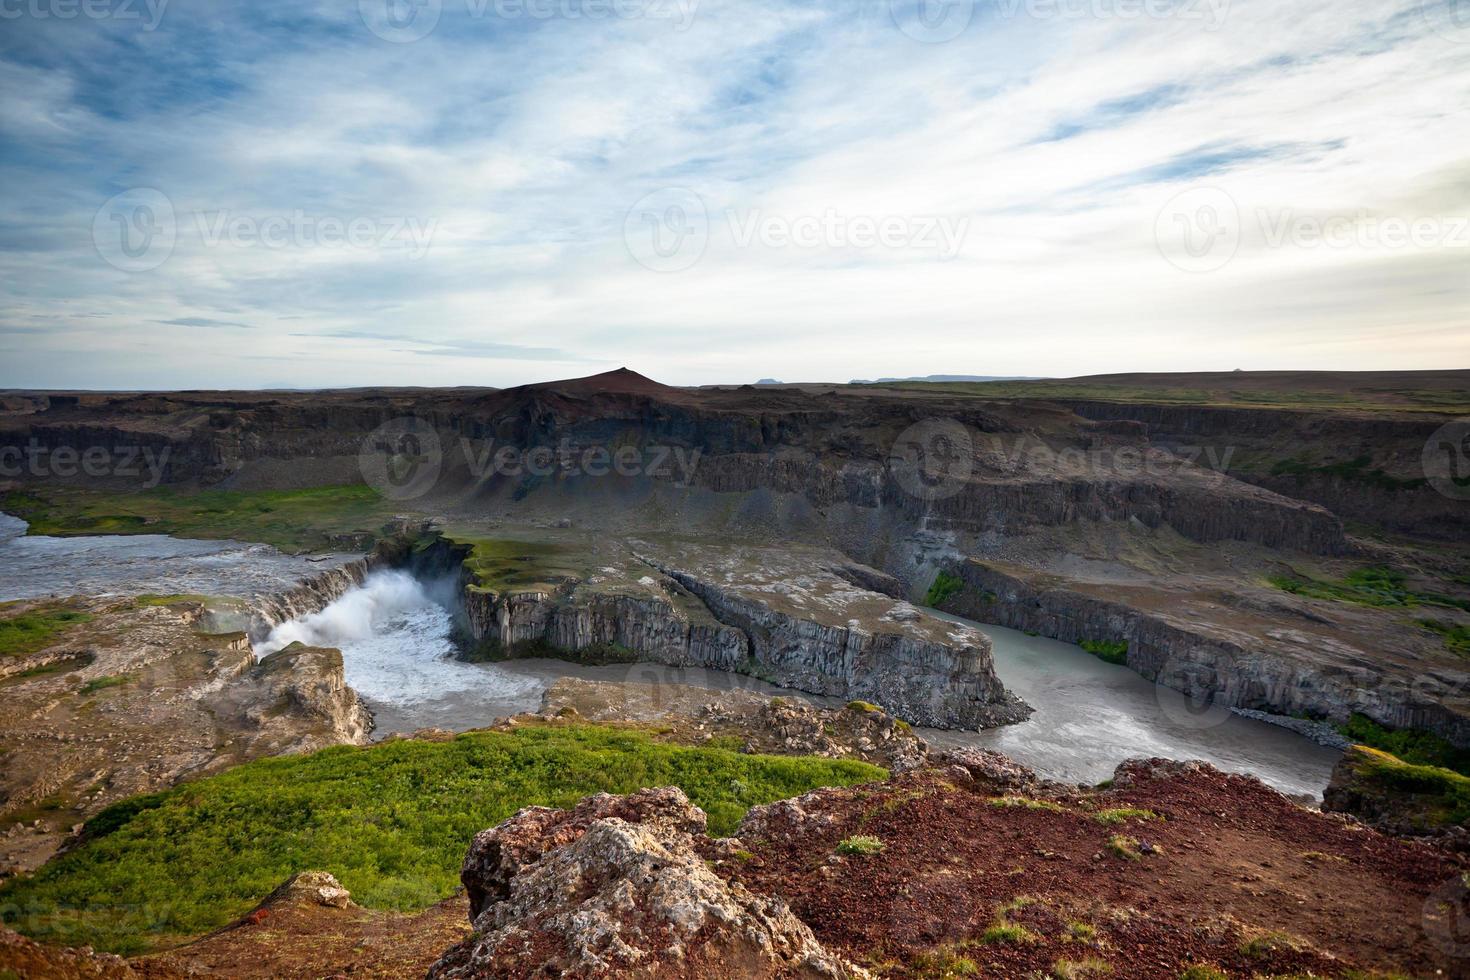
x=307, y=888
x=1401, y=800
x=943, y=681
x=761, y=722
x=294, y=700
x=617, y=887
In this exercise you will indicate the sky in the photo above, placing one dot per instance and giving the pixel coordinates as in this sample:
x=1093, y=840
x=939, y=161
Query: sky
x=202, y=194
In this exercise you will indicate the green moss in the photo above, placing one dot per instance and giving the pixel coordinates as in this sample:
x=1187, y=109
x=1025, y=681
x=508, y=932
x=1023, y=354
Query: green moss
x=391, y=822
x=1374, y=585
x=860, y=844
x=289, y=519
x=867, y=707
x=1410, y=745
x=38, y=629
x=944, y=587
x=1113, y=651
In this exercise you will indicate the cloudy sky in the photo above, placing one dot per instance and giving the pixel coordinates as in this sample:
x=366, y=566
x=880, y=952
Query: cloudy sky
x=202, y=194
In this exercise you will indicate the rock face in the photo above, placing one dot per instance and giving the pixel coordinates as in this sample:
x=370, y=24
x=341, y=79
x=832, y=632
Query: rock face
x=616, y=887
x=787, y=617
x=1289, y=664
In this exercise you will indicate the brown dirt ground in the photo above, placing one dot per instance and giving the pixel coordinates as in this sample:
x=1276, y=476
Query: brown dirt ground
x=1235, y=861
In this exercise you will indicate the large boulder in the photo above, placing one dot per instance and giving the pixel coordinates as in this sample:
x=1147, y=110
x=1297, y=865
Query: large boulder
x=616, y=887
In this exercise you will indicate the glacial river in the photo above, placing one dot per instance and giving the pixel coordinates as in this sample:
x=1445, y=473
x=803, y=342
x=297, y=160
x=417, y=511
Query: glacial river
x=1090, y=715
x=395, y=637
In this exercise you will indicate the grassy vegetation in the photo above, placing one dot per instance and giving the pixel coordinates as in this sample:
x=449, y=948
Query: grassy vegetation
x=1371, y=586
x=860, y=844
x=1008, y=932
x=1123, y=814
x=1026, y=803
x=37, y=629
x=942, y=963
x=103, y=683
x=1204, y=971
x=1239, y=394
x=1415, y=747
x=291, y=520
x=391, y=822
x=1456, y=636
x=944, y=588
x=1441, y=797
x=1359, y=469
x=1113, y=651
x=1077, y=969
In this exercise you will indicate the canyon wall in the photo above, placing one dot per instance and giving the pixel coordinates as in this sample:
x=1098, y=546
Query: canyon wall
x=1233, y=669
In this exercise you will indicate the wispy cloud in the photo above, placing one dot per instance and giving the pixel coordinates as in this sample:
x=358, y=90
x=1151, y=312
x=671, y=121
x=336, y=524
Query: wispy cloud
x=201, y=321
x=492, y=168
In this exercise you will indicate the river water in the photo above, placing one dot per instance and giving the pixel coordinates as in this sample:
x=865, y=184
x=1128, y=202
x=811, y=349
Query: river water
x=1090, y=715
x=140, y=564
x=395, y=638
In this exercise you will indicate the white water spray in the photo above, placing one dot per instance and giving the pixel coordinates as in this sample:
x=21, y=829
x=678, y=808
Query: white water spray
x=396, y=646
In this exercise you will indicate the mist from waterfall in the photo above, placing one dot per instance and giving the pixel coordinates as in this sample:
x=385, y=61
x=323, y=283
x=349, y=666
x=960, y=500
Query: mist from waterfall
x=396, y=637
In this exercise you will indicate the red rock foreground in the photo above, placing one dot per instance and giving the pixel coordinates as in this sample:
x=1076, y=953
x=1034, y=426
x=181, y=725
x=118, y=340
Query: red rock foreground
x=967, y=867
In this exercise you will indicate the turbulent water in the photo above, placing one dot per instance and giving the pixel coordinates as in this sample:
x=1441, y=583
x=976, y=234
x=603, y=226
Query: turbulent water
x=135, y=564
x=395, y=638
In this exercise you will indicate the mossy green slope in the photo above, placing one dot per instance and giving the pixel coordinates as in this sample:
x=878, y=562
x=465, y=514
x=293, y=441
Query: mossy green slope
x=392, y=822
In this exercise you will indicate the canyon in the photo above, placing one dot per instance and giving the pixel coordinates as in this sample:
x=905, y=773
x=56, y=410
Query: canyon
x=845, y=545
